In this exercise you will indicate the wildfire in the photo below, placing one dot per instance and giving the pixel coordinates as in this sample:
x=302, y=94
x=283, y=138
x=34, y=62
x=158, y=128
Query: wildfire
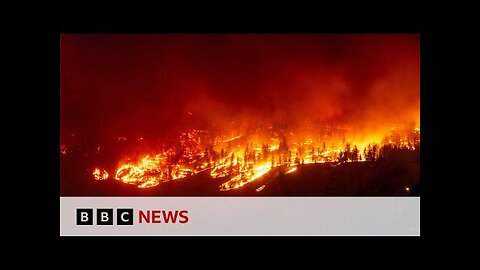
x=149, y=172
x=197, y=153
x=100, y=174
x=245, y=176
x=232, y=139
x=260, y=188
x=291, y=170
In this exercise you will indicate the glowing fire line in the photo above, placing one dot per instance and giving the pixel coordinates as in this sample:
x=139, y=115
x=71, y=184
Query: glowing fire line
x=241, y=166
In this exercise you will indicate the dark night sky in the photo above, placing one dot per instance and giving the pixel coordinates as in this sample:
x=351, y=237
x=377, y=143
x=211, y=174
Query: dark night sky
x=114, y=85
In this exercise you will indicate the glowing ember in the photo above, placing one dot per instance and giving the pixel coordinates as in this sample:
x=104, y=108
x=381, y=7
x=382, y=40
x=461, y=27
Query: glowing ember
x=291, y=170
x=63, y=149
x=232, y=139
x=100, y=174
x=260, y=188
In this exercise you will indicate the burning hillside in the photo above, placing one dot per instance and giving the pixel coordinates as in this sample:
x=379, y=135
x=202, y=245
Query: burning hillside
x=157, y=108
x=241, y=160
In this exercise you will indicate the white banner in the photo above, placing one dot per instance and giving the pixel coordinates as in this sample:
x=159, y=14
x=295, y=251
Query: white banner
x=256, y=216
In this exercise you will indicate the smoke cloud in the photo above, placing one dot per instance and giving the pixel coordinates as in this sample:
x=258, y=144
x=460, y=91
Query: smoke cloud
x=152, y=85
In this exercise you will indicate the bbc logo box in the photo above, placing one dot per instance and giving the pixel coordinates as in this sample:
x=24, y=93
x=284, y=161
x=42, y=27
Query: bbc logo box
x=104, y=216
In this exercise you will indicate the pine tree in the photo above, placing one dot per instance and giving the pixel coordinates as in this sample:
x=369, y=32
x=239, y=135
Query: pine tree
x=354, y=153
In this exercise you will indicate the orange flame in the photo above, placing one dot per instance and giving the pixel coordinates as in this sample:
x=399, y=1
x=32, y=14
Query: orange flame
x=243, y=166
x=100, y=174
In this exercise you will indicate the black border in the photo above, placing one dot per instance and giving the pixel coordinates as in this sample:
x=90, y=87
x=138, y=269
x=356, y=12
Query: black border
x=51, y=93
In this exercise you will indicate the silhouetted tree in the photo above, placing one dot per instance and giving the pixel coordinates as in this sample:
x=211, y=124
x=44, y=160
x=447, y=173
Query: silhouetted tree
x=215, y=155
x=283, y=146
x=374, y=152
x=265, y=150
x=385, y=140
x=232, y=158
x=297, y=159
x=354, y=155
x=206, y=155
x=369, y=156
x=246, y=154
x=340, y=157
x=346, y=154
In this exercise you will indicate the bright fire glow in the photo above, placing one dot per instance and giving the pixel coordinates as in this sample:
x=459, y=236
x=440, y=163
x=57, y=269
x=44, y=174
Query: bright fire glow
x=291, y=170
x=232, y=139
x=242, y=165
x=252, y=108
x=260, y=188
x=100, y=174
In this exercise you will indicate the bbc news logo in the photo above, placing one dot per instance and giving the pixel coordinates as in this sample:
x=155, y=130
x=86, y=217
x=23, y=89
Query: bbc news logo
x=125, y=216
x=104, y=216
